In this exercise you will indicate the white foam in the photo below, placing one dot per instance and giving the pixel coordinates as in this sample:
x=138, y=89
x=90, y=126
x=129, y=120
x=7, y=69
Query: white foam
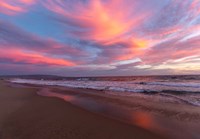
x=121, y=86
x=127, y=88
x=176, y=84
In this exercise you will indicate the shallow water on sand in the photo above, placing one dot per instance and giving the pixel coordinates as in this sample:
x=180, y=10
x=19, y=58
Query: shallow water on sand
x=179, y=89
x=167, y=105
x=136, y=116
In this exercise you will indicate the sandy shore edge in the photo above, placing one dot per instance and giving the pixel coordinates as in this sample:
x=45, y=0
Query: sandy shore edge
x=24, y=114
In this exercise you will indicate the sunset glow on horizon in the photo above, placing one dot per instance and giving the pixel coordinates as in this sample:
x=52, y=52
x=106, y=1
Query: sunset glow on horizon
x=99, y=37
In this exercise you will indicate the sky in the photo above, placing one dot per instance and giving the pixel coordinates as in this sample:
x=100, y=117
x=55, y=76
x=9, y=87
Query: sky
x=99, y=37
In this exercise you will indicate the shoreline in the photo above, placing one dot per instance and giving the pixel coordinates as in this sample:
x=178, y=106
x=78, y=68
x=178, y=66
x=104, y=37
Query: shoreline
x=123, y=101
x=170, y=120
x=162, y=119
x=33, y=116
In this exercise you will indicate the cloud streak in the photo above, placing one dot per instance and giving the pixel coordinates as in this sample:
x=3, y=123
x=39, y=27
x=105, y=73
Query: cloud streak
x=19, y=56
x=101, y=21
x=11, y=7
x=162, y=36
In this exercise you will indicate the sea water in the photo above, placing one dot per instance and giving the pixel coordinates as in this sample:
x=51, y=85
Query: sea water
x=183, y=89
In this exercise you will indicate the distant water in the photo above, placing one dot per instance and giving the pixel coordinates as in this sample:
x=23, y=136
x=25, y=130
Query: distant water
x=183, y=89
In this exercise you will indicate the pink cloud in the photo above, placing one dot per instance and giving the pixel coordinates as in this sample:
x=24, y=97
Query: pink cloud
x=171, y=50
x=104, y=32
x=102, y=21
x=20, y=56
x=11, y=7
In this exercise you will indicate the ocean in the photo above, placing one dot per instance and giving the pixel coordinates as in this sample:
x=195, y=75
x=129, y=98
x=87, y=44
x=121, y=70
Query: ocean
x=173, y=89
x=166, y=105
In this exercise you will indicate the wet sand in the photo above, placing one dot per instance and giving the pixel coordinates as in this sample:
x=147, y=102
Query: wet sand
x=26, y=115
x=175, y=120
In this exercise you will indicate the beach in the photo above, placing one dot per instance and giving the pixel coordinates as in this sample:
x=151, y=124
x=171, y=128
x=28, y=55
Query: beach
x=99, y=69
x=24, y=114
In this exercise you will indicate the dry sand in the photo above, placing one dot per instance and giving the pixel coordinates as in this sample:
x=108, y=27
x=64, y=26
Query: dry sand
x=25, y=115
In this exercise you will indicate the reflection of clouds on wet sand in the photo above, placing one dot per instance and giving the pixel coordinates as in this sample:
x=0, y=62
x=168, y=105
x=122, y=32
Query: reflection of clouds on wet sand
x=143, y=119
x=163, y=126
x=163, y=118
x=48, y=93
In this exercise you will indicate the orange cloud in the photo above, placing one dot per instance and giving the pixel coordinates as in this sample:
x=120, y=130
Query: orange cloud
x=105, y=22
x=17, y=55
x=102, y=21
x=110, y=22
x=11, y=7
